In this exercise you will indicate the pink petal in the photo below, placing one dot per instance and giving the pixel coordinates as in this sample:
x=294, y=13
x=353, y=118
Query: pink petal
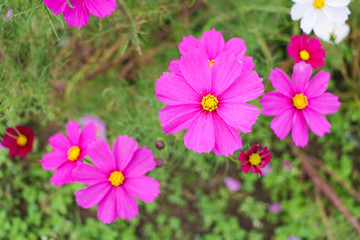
x=101, y=8
x=101, y=155
x=292, y=51
x=281, y=82
x=225, y=70
x=174, y=67
x=318, y=84
x=51, y=161
x=255, y=169
x=188, y=44
x=236, y=46
x=107, y=207
x=175, y=118
x=246, y=167
x=199, y=137
x=317, y=122
x=92, y=195
x=143, y=187
x=64, y=174
x=123, y=150
x=243, y=157
x=301, y=75
x=72, y=131
x=232, y=184
x=213, y=42
x=127, y=206
x=227, y=138
x=170, y=89
x=326, y=103
x=247, y=87
x=282, y=123
x=254, y=149
x=196, y=71
x=274, y=103
x=88, y=174
x=88, y=135
x=57, y=6
x=300, y=130
x=59, y=142
x=238, y=114
x=78, y=16
x=248, y=64
x=141, y=163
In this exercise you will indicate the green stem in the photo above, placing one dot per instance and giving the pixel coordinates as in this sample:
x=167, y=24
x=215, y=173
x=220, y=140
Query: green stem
x=233, y=159
x=29, y=9
x=69, y=3
x=51, y=23
x=10, y=135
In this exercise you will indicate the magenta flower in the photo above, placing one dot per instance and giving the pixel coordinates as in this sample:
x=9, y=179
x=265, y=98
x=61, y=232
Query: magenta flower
x=306, y=51
x=255, y=159
x=287, y=165
x=299, y=103
x=78, y=14
x=210, y=101
x=275, y=207
x=116, y=179
x=232, y=184
x=100, y=125
x=68, y=152
x=18, y=140
x=9, y=15
x=213, y=44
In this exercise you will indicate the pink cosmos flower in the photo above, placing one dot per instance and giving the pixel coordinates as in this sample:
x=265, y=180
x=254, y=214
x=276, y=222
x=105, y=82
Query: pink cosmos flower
x=306, y=51
x=275, y=207
x=213, y=44
x=68, y=152
x=210, y=101
x=299, y=103
x=79, y=15
x=116, y=179
x=232, y=184
x=9, y=15
x=19, y=140
x=255, y=159
x=100, y=125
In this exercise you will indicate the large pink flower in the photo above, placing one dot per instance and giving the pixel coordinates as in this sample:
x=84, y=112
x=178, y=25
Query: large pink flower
x=68, y=152
x=303, y=50
x=80, y=14
x=209, y=100
x=299, y=103
x=116, y=178
x=213, y=44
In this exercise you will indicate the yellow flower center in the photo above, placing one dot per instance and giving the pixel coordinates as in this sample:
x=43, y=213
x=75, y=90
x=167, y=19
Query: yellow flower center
x=74, y=153
x=21, y=140
x=209, y=103
x=319, y=4
x=116, y=178
x=304, y=55
x=211, y=63
x=255, y=159
x=300, y=101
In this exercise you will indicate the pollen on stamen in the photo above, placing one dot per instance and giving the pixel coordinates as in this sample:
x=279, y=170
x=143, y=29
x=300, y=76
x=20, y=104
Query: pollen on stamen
x=300, y=101
x=209, y=103
x=21, y=141
x=74, y=153
x=304, y=55
x=255, y=159
x=211, y=62
x=116, y=178
x=319, y=4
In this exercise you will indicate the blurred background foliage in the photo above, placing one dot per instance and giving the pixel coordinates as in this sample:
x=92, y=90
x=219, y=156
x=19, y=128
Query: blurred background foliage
x=51, y=73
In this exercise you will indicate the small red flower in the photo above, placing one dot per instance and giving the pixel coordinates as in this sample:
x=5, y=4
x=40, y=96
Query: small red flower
x=306, y=51
x=255, y=159
x=19, y=141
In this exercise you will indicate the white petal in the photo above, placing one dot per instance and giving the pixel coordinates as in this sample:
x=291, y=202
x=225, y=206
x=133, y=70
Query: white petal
x=341, y=31
x=337, y=15
x=308, y=21
x=323, y=25
x=299, y=9
x=337, y=3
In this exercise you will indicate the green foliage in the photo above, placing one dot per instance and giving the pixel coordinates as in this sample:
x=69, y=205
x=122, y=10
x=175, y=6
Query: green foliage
x=109, y=68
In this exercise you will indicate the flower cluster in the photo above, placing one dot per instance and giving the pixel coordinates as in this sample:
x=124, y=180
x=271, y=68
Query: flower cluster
x=326, y=17
x=77, y=12
x=207, y=92
x=115, y=178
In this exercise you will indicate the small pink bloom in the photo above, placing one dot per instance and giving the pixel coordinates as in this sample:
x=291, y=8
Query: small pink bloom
x=209, y=99
x=9, y=15
x=294, y=238
x=80, y=14
x=287, y=165
x=100, y=125
x=266, y=170
x=116, y=179
x=299, y=103
x=232, y=184
x=306, y=51
x=19, y=141
x=68, y=152
x=275, y=207
x=255, y=159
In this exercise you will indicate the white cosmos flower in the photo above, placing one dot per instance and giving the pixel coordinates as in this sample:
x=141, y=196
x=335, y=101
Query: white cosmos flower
x=320, y=15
